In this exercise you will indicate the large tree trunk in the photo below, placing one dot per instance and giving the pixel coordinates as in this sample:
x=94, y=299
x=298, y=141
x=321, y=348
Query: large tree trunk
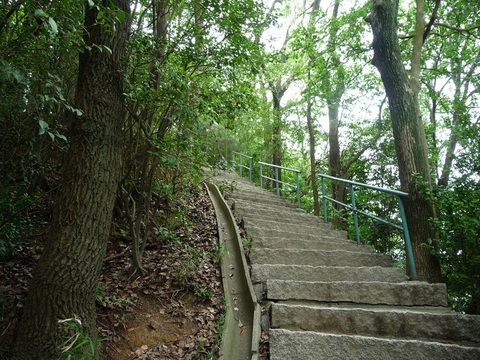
x=66, y=277
x=409, y=134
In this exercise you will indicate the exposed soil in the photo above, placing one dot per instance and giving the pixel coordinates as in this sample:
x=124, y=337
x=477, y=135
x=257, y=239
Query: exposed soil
x=173, y=311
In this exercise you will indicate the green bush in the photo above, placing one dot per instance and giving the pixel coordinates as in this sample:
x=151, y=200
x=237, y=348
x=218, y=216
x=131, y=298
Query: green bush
x=458, y=224
x=15, y=199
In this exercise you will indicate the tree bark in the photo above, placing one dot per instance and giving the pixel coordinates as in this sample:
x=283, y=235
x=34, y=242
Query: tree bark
x=313, y=164
x=313, y=172
x=66, y=277
x=277, y=93
x=409, y=135
x=334, y=93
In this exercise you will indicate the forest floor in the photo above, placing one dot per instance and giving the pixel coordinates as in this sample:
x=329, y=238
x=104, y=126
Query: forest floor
x=172, y=311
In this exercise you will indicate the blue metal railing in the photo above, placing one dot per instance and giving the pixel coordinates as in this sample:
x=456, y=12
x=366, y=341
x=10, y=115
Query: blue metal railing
x=276, y=167
x=353, y=208
x=241, y=163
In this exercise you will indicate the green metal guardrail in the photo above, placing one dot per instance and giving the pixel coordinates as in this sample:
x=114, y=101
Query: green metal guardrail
x=241, y=163
x=276, y=167
x=353, y=208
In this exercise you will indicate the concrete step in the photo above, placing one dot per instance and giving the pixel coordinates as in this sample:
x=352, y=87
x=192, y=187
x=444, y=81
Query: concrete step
x=263, y=272
x=424, y=323
x=285, y=217
x=319, y=257
x=305, y=225
x=254, y=200
x=257, y=233
x=242, y=209
x=318, y=244
x=376, y=293
x=264, y=199
x=308, y=345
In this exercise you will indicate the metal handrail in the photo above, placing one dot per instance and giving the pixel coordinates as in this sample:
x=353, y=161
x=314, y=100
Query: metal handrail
x=279, y=181
x=398, y=194
x=241, y=163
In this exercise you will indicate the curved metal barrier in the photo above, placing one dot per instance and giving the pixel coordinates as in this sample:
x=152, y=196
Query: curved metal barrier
x=242, y=330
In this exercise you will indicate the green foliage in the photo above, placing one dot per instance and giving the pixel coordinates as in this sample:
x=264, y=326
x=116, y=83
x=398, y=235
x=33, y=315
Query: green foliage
x=113, y=301
x=76, y=344
x=458, y=225
x=186, y=269
x=15, y=200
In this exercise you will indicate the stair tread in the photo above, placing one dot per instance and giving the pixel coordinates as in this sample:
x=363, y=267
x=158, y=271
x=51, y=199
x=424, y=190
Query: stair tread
x=286, y=344
x=401, y=322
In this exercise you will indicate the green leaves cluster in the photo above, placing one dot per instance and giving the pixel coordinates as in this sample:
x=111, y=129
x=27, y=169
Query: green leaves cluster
x=458, y=225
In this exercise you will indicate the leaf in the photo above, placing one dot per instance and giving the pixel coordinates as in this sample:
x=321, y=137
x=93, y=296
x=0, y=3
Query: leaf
x=53, y=25
x=18, y=76
x=40, y=12
x=90, y=3
x=51, y=135
x=61, y=136
x=121, y=15
x=43, y=126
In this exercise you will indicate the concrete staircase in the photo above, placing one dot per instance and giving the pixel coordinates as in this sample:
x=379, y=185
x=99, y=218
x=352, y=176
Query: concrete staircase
x=330, y=298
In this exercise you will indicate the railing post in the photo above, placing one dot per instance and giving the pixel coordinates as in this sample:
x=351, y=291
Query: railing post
x=250, y=169
x=324, y=200
x=298, y=190
x=276, y=180
x=355, y=220
x=261, y=177
x=408, y=244
x=241, y=165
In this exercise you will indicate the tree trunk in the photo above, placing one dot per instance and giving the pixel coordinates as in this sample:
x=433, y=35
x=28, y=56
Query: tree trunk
x=143, y=164
x=66, y=277
x=277, y=133
x=313, y=173
x=334, y=92
x=409, y=135
x=335, y=163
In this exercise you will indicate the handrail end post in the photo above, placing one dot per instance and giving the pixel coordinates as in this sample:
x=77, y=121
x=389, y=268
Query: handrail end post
x=408, y=243
x=324, y=201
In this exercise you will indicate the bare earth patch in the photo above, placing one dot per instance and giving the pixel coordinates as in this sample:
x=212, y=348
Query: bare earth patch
x=173, y=311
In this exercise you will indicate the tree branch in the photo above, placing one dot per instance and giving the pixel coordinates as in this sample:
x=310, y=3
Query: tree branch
x=432, y=20
x=456, y=28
